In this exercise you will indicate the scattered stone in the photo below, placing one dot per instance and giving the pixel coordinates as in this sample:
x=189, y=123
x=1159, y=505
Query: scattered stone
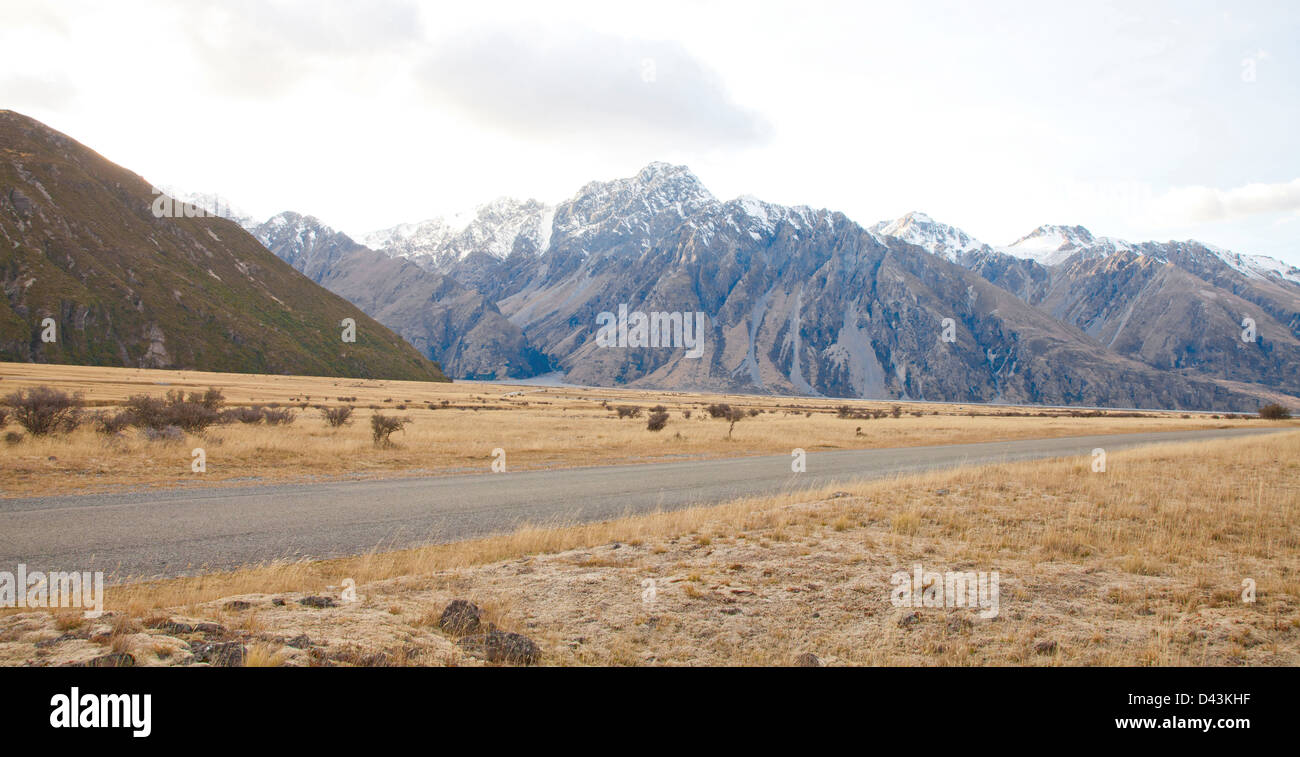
x=210, y=629
x=57, y=640
x=301, y=641
x=278, y=602
x=959, y=623
x=22, y=203
x=238, y=605
x=111, y=660
x=461, y=617
x=228, y=654
x=809, y=660
x=909, y=619
x=502, y=646
x=838, y=495
x=940, y=492
x=1045, y=647
x=318, y=602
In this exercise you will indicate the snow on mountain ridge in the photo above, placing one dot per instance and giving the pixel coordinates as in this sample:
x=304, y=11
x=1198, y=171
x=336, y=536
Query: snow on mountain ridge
x=1051, y=244
x=492, y=228
x=923, y=231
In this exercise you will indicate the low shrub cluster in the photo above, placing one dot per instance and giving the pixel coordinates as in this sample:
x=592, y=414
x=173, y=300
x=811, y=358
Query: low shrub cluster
x=1275, y=412
x=42, y=410
x=336, y=416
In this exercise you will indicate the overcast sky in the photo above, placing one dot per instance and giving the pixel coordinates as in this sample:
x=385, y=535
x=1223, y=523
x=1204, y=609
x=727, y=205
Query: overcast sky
x=1142, y=120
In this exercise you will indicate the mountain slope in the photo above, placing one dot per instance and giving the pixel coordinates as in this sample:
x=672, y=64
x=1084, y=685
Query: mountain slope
x=80, y=243
x=437, y=315
x=1176, y=306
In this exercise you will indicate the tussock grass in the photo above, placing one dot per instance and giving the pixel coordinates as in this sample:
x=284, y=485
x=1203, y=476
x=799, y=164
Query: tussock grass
x=454, y=428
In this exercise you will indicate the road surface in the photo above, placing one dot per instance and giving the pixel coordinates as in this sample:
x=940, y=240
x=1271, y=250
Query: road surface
x=181, y=532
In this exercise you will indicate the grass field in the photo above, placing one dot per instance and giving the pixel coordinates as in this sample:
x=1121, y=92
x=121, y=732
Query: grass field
x=1142, y=564
x=456, y=427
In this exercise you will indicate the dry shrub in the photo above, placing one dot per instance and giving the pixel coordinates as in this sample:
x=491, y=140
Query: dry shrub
x=1274, y=412
x=44, y=410
x=382, y=427
x=337, y=416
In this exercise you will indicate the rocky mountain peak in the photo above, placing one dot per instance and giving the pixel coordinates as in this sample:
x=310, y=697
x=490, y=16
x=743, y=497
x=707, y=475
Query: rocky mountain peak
x=1051, y=244
x=923, y=231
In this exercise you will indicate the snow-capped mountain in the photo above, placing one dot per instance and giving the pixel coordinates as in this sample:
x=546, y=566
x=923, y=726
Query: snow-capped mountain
x=497, y=229
x=1257, y=266
x=804, y=300
x=446, y=321
x=937, y=238
x=1176, y=306
x=1052, y=244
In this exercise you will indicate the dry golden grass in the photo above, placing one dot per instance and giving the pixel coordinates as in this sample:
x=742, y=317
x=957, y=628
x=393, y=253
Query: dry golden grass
x=536, y=427
x=1142, y=564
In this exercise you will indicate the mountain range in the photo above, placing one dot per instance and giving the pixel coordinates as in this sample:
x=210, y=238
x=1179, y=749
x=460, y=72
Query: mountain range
x=794, y=300
x=806, y=301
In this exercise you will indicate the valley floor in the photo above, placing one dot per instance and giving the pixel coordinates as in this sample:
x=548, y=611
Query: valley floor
x=466, y=428
x=1146, y=563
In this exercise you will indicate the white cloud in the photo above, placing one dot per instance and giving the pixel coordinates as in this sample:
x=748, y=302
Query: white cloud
x=49, y=90
x=583, y=84
x=996, y=116
x=1199, y=204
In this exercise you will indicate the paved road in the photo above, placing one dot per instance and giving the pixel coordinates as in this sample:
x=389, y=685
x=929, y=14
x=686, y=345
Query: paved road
x=166, y=533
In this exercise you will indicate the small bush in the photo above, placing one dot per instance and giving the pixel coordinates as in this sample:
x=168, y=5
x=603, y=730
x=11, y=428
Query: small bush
x=115, y=423
x=193, y=413
x=628, y=411
x=43, y=410
x=4, y=417
x=190, y=416
x=278, y=417
x=1274, y=412
x=212, y=399
x=337, y=416
x=719, y=411
x=382, y=427
x=13, y=437
x=146, y=411
x=896, y=410
x=734, y=415
x=657, y=421
x=243, y=414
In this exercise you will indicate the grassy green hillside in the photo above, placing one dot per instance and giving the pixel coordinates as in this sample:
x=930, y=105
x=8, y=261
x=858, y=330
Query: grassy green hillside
x=80, y=243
